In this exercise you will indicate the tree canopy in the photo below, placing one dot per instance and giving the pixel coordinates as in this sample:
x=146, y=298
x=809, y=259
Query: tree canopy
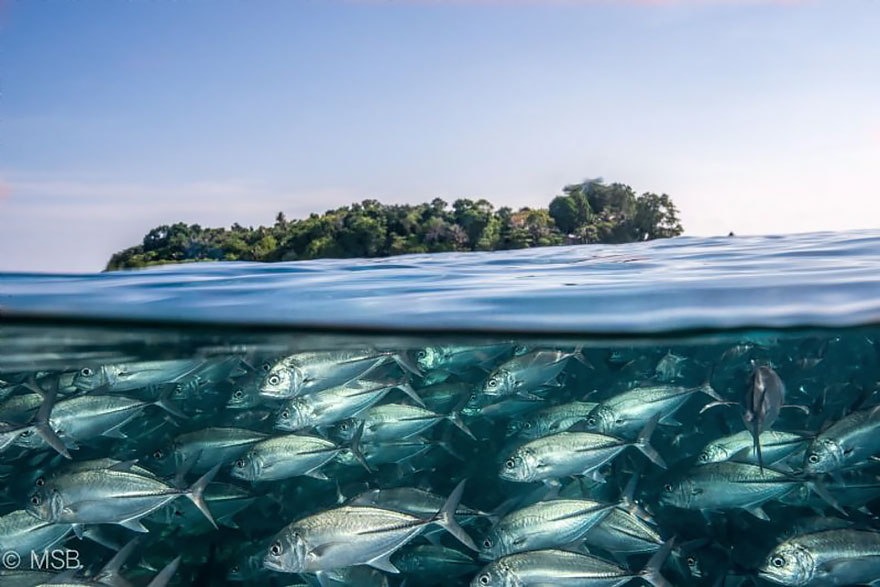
x=588, y=212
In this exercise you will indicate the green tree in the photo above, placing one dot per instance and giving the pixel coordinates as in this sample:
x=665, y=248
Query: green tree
x=588, y=212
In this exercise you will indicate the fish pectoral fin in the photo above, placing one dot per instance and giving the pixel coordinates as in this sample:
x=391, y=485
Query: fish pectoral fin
x=317, y=474
x=670, y=421
x=134, y=525
x=383, y=563
x=758, y=512
x=78, y=530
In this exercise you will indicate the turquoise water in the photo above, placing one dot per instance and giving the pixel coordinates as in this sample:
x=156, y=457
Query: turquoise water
x=593, y=400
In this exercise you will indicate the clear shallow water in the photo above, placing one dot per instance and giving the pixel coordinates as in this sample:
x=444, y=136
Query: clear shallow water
x=821, y=279
x=158, y=405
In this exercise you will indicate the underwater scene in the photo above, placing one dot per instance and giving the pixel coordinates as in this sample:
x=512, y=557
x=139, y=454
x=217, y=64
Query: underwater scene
x=132, y=455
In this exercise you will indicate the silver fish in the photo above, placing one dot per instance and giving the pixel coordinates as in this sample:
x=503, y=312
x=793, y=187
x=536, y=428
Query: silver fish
x=459, y=358
x=313, y=371
x=85, y=417
x=562, y=568
x=627, y=413
x=550, y=420
x=848, y=442
x=130, y=376
x=203, y=449
x=728, y=485
x=355, y=535
x=572, y=453
x=284, y=457
x=395, y=422
x=775, y=445
x=523, y=374
x=830, y=557
x=110, y=496
x=329, y=406
x=546, y=524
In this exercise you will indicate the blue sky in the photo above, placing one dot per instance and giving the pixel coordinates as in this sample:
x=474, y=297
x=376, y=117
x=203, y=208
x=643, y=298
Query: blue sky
x=756, y=116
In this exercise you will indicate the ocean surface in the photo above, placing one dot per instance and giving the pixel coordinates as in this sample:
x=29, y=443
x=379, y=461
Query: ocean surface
x=688, y=412
x=819, y=279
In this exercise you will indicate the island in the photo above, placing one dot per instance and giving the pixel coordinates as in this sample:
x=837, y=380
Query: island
x=587, y=212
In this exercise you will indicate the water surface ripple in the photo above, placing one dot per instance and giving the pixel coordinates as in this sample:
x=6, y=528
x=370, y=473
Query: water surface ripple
x=817, y=279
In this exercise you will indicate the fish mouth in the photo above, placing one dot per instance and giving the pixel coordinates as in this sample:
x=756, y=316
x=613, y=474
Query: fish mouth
x=273, y=565
x=770, y=576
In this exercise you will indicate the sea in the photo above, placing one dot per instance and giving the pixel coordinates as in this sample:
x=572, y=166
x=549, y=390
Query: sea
x=691, y=411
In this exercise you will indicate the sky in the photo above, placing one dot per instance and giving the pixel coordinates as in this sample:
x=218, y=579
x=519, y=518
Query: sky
x=756, y=116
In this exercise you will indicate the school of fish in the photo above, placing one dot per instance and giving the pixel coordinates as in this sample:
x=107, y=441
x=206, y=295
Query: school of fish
x=485, y=463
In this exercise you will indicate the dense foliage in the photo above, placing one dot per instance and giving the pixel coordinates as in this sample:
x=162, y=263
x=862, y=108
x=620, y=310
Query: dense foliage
x=589, y=212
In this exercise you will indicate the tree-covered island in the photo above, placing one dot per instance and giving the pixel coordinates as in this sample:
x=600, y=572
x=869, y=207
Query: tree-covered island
x=588, y=212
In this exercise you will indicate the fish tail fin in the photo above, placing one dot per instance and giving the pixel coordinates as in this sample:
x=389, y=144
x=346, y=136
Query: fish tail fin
x=445, y=518
x=355, y=447
x=455, y=418
x=161, y=580
x=409, y=391
x=819, y=489
x=41, y=422
x=110, y=571
x=196, y=493
x=644, y=445
x=164, y=403
x=405, y=362
x=706, y=387
x=651, y=572
x=579, y=356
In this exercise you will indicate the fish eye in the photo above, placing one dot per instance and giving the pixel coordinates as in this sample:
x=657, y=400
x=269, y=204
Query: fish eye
x=86, y=372
x=493, y=382
x=421, y=354
x=510, y=463
x=777, y=561
x=527, y=425
x=40, y=482
x=813, y=458
x=158, y=454
x=691, y=561
x=234, y=570
x=238, y=394
x=484, y=579
x=704, y=456
x=274, y=380
x=487, y=543
x=275, y=549
x=344, y=426
x=266, y=367
x=26, y=433
x=35, y=500
x=285, y=414
x=668, y=488
x=591, y=421
x=240, y=463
